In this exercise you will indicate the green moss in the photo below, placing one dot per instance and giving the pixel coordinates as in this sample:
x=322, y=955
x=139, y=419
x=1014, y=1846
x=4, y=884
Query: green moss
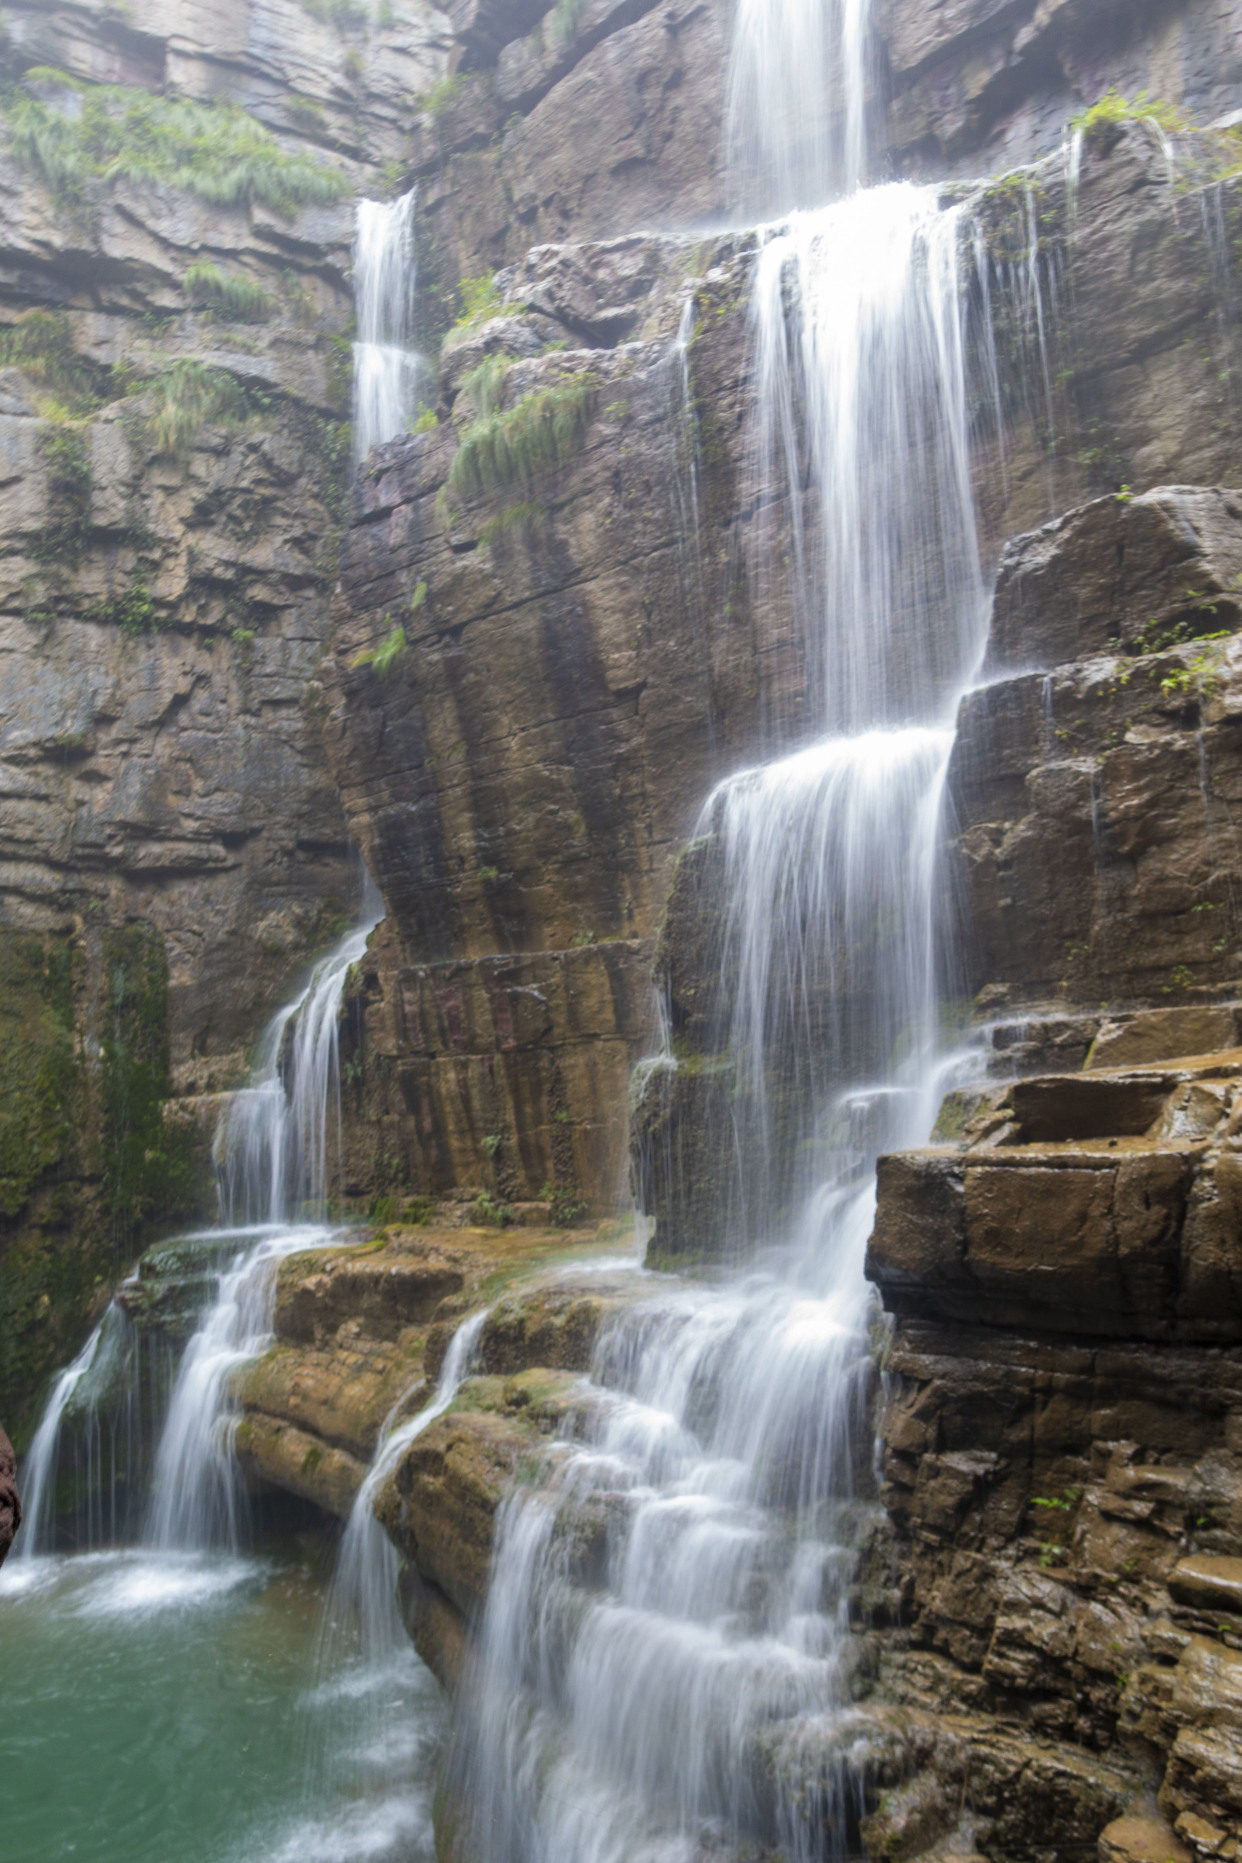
x=1112, y=108
x=146, y=1163
x=214, y=150
x=513, y=448
x=40, y=1102
x=226, y=297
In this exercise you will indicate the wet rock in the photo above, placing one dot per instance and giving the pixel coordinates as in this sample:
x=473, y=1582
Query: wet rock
x=437, y=1629
x=1064, y=1239
x=439, y=1506
x=300, y=1462
x=1164, y=1035
x=10, y=1500
x=1141, y=1840
x=1117, y=572
x=553, y=1328
x=1209, y=1584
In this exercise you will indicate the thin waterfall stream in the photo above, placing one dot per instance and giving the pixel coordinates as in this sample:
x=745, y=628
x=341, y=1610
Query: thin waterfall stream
x=388, y=369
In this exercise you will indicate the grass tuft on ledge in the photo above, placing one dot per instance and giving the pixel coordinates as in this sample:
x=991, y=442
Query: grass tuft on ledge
x=227, y=297
x=514, y=447
x=118, y=132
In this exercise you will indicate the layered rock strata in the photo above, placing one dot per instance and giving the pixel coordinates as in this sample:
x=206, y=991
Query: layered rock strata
x=1061, y=1474
x=517, y=579
x=360, y=1337
x=174, y=374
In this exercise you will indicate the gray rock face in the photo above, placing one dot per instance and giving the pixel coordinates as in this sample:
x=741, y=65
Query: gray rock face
x=10, y=1502
x=346, y=81
x=1118, y=574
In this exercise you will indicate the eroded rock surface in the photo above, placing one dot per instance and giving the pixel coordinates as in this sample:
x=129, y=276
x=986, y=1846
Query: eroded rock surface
x=10, y=1500
x=361, y=1334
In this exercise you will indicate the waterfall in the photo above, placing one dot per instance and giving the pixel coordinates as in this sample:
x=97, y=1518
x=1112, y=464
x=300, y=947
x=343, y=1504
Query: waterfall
x=785, y=146
x=387, y=367
x=654, y=1699
x=274, y=1155
x=39, y=1468
x=364, y=1586
x=272, y=1144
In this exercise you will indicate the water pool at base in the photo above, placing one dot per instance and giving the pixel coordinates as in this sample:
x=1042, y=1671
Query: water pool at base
x=166, y=1708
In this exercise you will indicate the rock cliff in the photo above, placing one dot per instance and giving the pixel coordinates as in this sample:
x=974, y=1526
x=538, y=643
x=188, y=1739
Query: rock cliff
x=508, y=663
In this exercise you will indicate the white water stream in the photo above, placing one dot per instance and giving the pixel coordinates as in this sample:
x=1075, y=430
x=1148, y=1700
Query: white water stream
x=795, y=120
x=388, y=369
x=636, y=1705
x=274, y=1162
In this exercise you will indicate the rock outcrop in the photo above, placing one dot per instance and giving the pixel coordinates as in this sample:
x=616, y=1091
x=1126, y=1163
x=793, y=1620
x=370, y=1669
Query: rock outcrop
x=10, y=1500
x=361, y=1334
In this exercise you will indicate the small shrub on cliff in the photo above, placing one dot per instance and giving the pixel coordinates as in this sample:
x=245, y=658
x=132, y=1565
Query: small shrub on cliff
x=119, y=132
x=185, y=397
x=63, y=447
x=565, y=17
x=228, y=298
x=480, y=300
x=567, y=1208
x=492, y=1215
x=512, y=448
x=383, y=658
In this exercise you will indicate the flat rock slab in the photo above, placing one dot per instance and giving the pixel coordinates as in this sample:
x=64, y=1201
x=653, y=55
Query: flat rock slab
x=1208, y=1584
x=1141, y=1840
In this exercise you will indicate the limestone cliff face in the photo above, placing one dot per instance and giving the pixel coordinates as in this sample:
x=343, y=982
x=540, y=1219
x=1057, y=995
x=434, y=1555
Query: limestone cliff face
x=174, y=376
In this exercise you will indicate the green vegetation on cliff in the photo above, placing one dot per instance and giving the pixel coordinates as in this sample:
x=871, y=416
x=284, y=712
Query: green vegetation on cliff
x=185, y=397
x=87, y=1160
x=537, y=435
x=116, y=132
x=227, y=296
x=41, y=345
x=40, y=1088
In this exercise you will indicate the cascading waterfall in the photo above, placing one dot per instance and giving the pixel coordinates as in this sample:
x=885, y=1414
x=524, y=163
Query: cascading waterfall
x=785, y=146
x=387, y=368
x=39, y=1468
x=272, y=1154
x=272, y=1144
x=724, y=1449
